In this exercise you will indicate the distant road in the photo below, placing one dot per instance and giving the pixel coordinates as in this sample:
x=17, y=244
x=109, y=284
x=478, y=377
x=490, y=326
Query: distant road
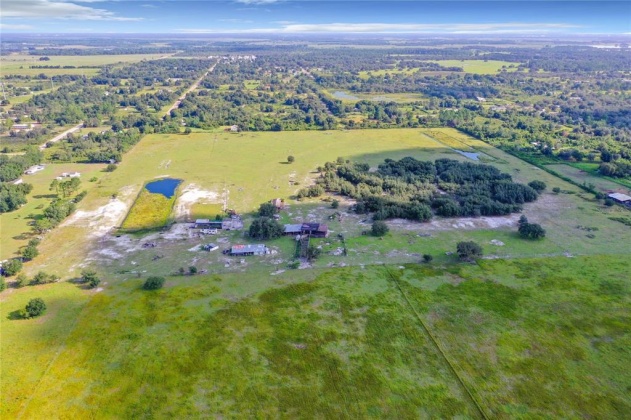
x=189, y=90
x=61, y=136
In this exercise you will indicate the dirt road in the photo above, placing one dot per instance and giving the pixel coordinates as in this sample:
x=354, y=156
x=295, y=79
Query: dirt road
x=189, y=90
x=61, y=136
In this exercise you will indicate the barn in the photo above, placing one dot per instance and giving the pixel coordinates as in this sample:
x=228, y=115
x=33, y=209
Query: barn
x=621, y=198
x=243, y=250
x=208, y=224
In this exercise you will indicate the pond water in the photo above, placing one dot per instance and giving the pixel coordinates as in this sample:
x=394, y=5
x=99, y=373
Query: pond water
x=165, y=186
x=470, y=155
x=343, y=95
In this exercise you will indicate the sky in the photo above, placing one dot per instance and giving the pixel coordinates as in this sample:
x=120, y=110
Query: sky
x=316, y=16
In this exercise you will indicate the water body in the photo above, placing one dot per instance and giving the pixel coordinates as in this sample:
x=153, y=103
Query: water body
x=166, y=186
x=470, y=155
x=343, y=95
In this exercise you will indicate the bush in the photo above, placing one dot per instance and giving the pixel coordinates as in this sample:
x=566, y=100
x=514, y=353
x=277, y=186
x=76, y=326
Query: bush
x=290, y=159
x=21, y=280
x=379, y=228
x=531, y=231
x=427, y=258
x=335, y=204
x=30, y=252
x=111, y=167
x=11, y=267
x=556, y=190
x=90, y=277
x=609, y=202
x=35, y=307
x=294, y=265
x=153, y=283
x=267, y=210
x=3, y=284
x=538, y=186
x=468, y=251
x=265, y=228
x=192, y=270
x=43, y=278
x=313, y=253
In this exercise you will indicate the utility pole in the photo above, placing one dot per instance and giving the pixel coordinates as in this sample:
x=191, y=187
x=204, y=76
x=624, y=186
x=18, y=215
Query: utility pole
x=52, y=84
x=4, y=95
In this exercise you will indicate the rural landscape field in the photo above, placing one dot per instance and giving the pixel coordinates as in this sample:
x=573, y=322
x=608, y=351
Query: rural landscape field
x=315, y=220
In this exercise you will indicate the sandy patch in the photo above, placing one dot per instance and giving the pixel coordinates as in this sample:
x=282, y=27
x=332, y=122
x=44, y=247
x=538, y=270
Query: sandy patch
x=464, y=223
x=193, y=194
x=101, y=220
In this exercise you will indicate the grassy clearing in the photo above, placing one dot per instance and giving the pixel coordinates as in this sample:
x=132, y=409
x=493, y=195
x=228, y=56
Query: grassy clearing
x=530, y=338
x=150, y=211
x=478, y=66
x=19, y=64
x=206, y=211
x=15, y=226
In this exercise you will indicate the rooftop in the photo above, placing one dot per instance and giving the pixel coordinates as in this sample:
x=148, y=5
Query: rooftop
x=242, y=249
x=620, y=197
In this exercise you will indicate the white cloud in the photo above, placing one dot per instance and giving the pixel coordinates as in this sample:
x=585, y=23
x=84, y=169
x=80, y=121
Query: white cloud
x=7, y=26
x=51, y=9
x=454, y=28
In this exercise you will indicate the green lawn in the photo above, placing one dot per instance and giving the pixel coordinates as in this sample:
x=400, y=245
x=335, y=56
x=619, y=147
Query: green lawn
x=478, y=66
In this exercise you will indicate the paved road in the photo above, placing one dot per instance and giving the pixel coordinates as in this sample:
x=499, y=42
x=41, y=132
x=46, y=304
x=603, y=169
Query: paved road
x=61, y=136
x=189, y=90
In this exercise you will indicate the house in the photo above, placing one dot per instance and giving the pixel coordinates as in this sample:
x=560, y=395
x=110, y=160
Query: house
x=234, y=129
x=34, y=169
x=208, y=224
x=279, y=203
x=621, y=198
x=243, y=250
x=316, y=230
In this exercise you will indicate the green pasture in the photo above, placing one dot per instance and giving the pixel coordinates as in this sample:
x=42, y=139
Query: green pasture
x=19, y=64
x=15, y=230
x=478, y=66
x=539, y=338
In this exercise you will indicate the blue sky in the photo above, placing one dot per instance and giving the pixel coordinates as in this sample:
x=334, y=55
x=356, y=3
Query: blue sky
x=307, y=16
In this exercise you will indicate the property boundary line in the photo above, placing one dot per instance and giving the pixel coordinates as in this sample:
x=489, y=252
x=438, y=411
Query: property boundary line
x=437, y=345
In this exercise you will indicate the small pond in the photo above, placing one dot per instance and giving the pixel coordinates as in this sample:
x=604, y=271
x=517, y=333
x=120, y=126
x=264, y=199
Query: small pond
x=470, y=155
x=165, y=186
x=343, y=95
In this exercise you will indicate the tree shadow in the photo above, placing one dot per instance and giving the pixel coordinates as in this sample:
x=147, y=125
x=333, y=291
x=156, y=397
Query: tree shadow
x=285, y=163
x=48, y=196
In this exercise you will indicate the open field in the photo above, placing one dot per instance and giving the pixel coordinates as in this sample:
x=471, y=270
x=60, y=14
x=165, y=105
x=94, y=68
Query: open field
x=478, y=66
x=14, y=226
x=588, y=173
x=377, y=97
x=529, y=338
x=19, y=64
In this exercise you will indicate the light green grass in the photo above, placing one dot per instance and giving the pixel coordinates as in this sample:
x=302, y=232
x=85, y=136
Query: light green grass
x=531, y=338
x=478, y=66
x=15, y=226
x=11, y=64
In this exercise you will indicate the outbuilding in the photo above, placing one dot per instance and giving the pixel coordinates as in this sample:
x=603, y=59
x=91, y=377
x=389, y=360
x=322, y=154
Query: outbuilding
x=207, y=224
x=621, y=198
x=243, y=250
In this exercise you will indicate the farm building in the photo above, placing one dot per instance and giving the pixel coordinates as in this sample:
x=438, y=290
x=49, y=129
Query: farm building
x=34, y=169
x=621, y=198
x=317, y=230
x=209, y=247
x=242, y=250
x=208, y=224
x=234, y=129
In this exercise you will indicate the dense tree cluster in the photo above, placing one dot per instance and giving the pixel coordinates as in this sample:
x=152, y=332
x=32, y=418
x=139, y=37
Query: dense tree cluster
x=415, y=190
x=265, y=228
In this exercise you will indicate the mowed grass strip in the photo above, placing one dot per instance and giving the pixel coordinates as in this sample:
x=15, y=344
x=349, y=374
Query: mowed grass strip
x=150, y=211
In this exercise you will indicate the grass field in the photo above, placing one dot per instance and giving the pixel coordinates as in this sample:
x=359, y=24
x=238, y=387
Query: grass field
x=15, y=226
x=149, y=211
x=530, y=339
x=19, y=64
x=478, y=66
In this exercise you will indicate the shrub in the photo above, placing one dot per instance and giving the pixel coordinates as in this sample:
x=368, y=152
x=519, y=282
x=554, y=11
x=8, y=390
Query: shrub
x=290, y=159
x=153, y=283
x=538, y=186
x=335, y=204
x=468, y=251
x=427, y=258
x=35, y=307
x=556, y=190
x=531, y=231
x=313, y=253
x=609, y=202
x=90, y=277
x=3, y=284
x=11, y=267
x=111, y=167
x=379, y=228
x=43, y=278
x=21, y=280
x=30, y=252
x=265, y=228
x=192, y=270
x=267, y=210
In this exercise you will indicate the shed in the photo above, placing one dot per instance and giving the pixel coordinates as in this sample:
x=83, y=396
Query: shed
x=243, y=250
x=317, y=230
x=207, y=224
x=621, y=198
x=209, y=247
x=293, y=229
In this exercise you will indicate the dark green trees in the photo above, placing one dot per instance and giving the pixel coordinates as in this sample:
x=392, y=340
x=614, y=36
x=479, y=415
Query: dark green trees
x=468, y=251
x=265, y=228
x=530, y=230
